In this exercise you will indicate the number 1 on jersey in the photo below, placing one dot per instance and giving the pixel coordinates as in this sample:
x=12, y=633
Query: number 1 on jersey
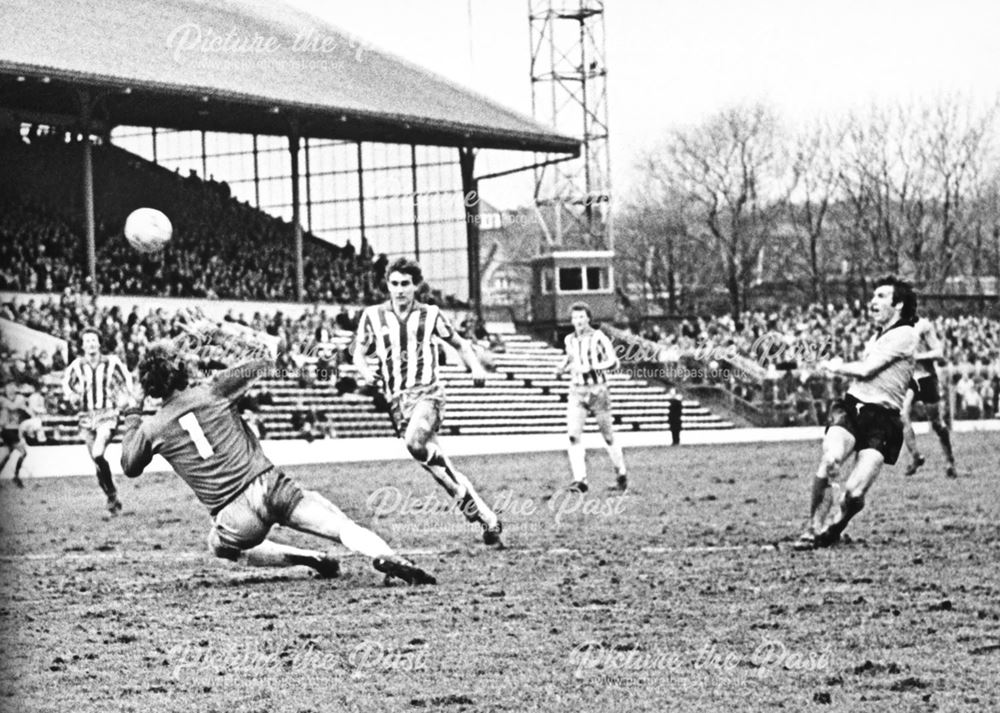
x=189, y=422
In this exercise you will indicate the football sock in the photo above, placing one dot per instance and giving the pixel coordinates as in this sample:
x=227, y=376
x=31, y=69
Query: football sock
x=104, y=477
x=435, y=456
x=273, y=554
x=443, y=471
x=458, y=486
x=821, y=500
x=359, y=539
x=17, y=466
x=5, y=459
x=945, y=436
x=615, y=452
x=577, y=461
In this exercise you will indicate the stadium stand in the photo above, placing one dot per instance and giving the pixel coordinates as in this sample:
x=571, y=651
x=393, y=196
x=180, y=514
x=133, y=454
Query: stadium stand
x=221, y=248
x=520, y=397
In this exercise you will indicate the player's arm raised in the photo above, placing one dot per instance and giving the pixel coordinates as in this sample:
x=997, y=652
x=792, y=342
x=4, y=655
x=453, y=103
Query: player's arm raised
x=235, y=381
x=137, y=447
x=122, y=372
x=900, y=346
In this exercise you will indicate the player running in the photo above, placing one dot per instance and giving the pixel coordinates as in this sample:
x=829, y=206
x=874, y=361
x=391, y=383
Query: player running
x=589, y=354
x=13, y=410
x=94, y=383
x=402, y=333
x=867, y=420
x=199, y=432
x=924, y=388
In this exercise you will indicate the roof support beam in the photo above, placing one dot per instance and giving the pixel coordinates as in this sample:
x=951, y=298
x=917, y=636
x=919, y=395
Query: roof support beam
x=470, y=200
x=86, y=109
x=293, y=149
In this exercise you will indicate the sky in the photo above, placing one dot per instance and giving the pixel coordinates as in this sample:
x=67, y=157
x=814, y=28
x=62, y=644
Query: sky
x=674, y=63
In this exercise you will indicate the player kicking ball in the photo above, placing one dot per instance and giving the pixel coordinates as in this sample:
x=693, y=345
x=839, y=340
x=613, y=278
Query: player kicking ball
x=924, y=389
x=867, y=420
x=199, y=432
x=589, y=354
x=403, y=334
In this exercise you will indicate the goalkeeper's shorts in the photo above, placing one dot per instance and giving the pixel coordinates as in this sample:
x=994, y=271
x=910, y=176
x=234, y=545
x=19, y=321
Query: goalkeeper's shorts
x=268, y=500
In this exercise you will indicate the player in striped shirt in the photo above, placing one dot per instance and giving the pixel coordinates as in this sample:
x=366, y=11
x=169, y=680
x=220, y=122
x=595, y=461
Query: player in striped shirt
x=403, y=335
x=199, y=432
x=867, y=420
x=589, y=354
x=94, y=384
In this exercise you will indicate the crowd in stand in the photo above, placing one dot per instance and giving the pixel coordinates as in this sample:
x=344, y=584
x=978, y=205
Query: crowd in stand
x=221, y=248
x=773, y=351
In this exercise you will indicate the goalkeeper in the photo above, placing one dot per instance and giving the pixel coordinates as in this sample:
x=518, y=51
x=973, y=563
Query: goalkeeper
x=198, y=430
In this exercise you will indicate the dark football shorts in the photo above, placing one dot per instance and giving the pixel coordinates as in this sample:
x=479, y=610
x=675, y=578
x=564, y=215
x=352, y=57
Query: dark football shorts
x=11, y=437
x=925, y=389
x=872, y=426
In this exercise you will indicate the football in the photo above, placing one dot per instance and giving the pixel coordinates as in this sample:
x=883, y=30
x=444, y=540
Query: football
x=147, y=230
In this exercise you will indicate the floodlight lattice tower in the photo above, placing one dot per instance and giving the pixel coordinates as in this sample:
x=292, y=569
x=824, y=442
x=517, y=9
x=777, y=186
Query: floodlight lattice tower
x=569, y=92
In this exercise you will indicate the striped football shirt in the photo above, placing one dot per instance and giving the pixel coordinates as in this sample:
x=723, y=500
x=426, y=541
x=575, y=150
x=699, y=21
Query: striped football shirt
x=404, y=345
x=98, y=384
x=591, y=354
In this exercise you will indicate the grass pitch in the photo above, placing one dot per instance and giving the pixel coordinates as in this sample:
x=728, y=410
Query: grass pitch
x=681, y=595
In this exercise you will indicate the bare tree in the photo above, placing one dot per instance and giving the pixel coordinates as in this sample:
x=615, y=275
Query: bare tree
x=870, y=179
x=954, y=149
x=657, y=253
x=728, y=171
x=812, y=193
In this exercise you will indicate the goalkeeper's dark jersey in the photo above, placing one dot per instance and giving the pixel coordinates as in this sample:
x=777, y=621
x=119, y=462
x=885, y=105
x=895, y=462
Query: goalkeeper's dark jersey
x=200, y=433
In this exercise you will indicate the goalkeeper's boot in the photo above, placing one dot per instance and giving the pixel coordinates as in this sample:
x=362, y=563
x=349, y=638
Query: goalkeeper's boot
x=621, y=484
x=400, y=568
x=578, y=486
x=950, y=471
x=327, y=567
x=114, y=505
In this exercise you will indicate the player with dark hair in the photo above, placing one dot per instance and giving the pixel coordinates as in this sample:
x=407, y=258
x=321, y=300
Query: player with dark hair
x=924, y=388
x=867, y=420
x=95, y=383
x=13, y=410
x=402, y=333
x=199, y=432
x=589, y=354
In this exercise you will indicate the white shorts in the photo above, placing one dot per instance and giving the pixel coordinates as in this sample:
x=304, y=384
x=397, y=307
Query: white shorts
x=584, y=399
